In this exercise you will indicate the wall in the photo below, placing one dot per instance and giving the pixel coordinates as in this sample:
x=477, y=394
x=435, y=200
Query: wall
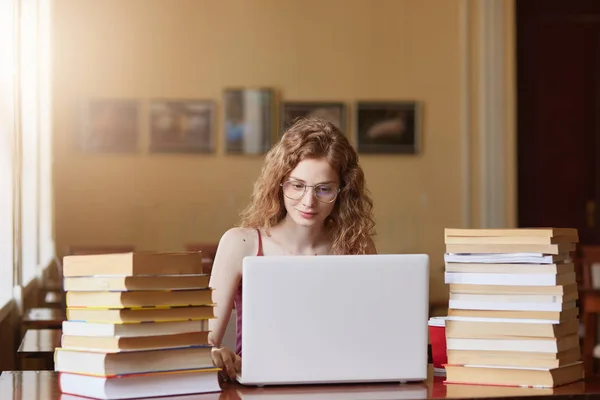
x=308, y=50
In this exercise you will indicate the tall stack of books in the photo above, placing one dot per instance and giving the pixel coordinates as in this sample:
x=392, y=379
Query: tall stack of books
x=513, y=316
x=137, y=326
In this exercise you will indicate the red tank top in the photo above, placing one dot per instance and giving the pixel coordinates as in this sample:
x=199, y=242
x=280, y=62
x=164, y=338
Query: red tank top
x=237, y=302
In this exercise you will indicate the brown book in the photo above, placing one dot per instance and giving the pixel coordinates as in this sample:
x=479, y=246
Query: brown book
x=484, y=329
x=538, y=232
x=125, y=315
x=556, y=249
x=514, y=358
x=134, y=283
x=484, y=375
x=132, y=264
x=542, y=300
x=119, y=344
x=559, y=290
x=549, y=315
x=139, y=299
x=537, y=240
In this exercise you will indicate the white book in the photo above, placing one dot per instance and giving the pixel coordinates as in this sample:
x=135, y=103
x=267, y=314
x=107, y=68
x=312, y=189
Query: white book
x=504, y=320
x=144, y=385
x=528, y=345
x=511, y=298
x=506, y=306
x=509, y=279
x=504, y=258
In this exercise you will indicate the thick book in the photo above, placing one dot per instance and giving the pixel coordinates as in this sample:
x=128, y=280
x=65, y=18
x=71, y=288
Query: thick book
x=495, y=232
x=140, y=329
x=133, y=264
x=482, y=268
x=136, y=315
x=557, y=290
x=538, y=315
x=533, y=377
x=554, y=249
x=170, y=383
x=510, y=279
x=515, y=359
x=537, y=240
x=509, y=306
x=514, y=328
x=139, y=299
x=135, y=362
x=514, y=297
x=135, y=283
x=529, y=344
x=122, y=344
x=506, y=258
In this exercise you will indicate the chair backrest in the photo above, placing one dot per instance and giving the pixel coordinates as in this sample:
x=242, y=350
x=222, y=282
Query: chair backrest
x=209, y=250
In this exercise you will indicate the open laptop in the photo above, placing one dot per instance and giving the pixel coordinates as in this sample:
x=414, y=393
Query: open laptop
x=334, y=319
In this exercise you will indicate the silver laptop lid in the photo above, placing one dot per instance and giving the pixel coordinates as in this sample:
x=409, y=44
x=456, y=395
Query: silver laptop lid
x=326, y=319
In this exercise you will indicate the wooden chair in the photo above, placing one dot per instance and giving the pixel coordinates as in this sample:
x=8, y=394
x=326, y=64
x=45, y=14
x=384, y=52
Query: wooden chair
x=208, y=250
x=589, y=305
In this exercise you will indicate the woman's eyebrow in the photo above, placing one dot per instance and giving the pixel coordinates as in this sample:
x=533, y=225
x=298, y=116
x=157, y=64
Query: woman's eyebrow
x=303, y=181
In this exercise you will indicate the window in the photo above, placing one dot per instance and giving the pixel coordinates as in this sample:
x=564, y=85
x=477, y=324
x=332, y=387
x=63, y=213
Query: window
x=45, y=230
x=26, y=242
x=29, y=124
x=7, y=136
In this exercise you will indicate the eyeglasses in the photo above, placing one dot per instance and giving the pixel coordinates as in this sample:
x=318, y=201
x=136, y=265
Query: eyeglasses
x=323, y=192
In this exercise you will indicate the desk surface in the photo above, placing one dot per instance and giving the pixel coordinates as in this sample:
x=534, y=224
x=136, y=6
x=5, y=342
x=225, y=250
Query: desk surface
x=44, y=317
x=43, y=385
x=40, y=341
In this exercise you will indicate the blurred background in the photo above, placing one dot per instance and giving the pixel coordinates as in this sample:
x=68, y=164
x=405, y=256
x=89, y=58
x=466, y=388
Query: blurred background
x=142, y=124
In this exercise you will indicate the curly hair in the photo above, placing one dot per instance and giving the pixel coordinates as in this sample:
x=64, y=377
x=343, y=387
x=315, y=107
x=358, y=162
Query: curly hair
x=350, y=224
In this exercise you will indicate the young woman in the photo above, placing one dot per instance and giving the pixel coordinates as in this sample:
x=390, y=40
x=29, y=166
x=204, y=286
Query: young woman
x=310, y=198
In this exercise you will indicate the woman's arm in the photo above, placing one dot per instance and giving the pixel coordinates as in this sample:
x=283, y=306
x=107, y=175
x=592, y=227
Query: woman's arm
x=226, y=273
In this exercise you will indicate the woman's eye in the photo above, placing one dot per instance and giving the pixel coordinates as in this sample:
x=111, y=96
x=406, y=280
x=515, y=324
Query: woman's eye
x=298, y=186
x=324, y=189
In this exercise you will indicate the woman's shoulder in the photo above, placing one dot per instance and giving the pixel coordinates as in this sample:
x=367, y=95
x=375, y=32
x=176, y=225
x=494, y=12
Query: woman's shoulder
x=240, y=241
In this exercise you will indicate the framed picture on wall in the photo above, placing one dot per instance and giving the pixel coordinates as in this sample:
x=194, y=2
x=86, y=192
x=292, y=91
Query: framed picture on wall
x=185, y=126
x=108, y=125
x=248, y=120
x=334, y=112
x=388, y=127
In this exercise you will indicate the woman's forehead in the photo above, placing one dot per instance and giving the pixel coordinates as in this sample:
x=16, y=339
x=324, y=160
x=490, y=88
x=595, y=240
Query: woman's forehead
x=314, y=171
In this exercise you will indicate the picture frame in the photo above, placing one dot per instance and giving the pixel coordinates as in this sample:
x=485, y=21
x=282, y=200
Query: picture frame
x=388, y=127
x=182, y=126
x=108, y=125
x=334, y=112
x=249, y=120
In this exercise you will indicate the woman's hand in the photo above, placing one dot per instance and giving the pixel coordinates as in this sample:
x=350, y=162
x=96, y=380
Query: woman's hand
x=227, y=360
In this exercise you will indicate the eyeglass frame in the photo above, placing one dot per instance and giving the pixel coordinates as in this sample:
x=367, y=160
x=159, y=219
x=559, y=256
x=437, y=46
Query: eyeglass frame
x=337, y=192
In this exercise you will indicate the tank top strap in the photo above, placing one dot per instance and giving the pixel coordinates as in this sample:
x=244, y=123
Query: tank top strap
x=260, y=249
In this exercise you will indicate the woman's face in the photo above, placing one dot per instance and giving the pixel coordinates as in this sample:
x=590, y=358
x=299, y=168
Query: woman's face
x=300, y=202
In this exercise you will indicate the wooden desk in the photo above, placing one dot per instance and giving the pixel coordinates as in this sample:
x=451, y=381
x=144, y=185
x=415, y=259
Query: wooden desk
x=43, y=385
x=40, y=343
x=43, y=317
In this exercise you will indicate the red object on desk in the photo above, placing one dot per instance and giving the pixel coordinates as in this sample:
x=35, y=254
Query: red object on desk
x=437, y=336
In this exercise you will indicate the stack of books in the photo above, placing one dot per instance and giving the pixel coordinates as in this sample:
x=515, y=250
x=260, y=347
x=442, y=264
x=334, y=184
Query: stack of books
x=513, y=315
x=137, y=326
